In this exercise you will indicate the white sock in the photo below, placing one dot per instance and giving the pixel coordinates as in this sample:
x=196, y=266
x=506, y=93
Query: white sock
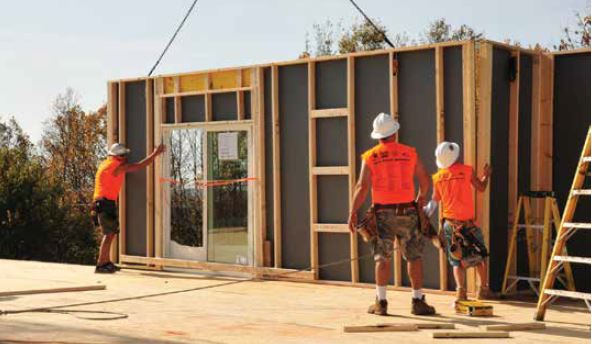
x=381, y=292
x=417, y=294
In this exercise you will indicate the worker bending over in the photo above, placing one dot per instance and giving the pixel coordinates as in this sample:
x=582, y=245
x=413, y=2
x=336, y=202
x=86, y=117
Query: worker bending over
x=388, y=169
x=453, y=187
x=108, y=182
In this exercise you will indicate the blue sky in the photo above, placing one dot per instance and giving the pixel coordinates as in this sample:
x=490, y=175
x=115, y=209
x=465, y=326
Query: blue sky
x=49, y=45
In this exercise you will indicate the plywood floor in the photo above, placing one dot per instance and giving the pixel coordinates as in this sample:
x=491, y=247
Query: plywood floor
x=227, y=310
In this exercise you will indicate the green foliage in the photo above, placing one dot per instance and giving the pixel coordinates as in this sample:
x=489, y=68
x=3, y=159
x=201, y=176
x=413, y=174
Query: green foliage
x=440, y=31
x=362, y=37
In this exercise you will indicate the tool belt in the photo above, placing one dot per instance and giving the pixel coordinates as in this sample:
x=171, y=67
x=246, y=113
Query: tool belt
x=465, y=246
x=367, y=227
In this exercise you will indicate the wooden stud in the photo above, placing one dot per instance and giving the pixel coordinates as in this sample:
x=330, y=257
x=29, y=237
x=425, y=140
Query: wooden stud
x=159, y=118
x=149, y=93
x=394, y=107
x=240, y=105
x=326, y=113
x=312, y=161
x=277, y=208
x=513, y=148
x=544, y=121
x=178, y=110
x=351, y=157
x=208, y=98
x=329, y=170
x=469, y=125
x=258, y=113
x=471, y=334
x=120, y=240
x=258, y=228
x=330, y=228
x=441, y=136
x=112, y=105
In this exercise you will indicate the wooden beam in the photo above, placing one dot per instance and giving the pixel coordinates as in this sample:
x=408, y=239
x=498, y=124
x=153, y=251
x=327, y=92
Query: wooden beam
x=394, y=107
x=208, y=98
x=204, y=92
x=330, y=170
x=112, y=105
x=178, y=110
x=159, y=118
x=53, y=290
x=351, y=159
x=312, y=162
x=513, y=149
x=330, y=227
x=545, y=123
x=469, y=125
x=380, y=328
x=471, y=334
x=483, y=87
x=515, y=327
x=149, y=93
x=120, y=242
x=240, y=105
x=258, y=113
x=327, y=113
x=277, y=208
x=441, y=136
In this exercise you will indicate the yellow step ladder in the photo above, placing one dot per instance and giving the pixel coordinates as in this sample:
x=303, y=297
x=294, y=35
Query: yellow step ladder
x=567, y=228
x=551, y=210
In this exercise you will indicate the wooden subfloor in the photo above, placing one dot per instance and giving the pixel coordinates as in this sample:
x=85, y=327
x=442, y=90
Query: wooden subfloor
x=228, y=310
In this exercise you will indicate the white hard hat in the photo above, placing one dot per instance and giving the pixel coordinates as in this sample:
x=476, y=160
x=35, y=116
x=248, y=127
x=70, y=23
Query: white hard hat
x=118, y=149
x=384, y=126
x=446, y=154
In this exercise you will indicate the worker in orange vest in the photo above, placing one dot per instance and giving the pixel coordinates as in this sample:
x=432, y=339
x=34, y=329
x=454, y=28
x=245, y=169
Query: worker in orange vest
x=108, y=182
x=453, y=187
x=388, y=169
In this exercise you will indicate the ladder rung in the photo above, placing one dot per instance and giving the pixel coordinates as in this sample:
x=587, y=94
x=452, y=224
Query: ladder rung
x=583, y=260
x=577, y=225
x=581, y=192
x=524, y=278
x=587, y=159
x=520, y=226
x=567, y=293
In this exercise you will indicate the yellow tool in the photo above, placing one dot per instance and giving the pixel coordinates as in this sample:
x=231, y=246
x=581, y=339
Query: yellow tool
x=473, y=308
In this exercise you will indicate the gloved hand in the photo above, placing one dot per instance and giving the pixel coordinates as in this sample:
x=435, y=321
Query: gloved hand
x=430, y=208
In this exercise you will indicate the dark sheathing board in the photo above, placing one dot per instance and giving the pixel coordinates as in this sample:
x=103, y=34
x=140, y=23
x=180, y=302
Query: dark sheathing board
x=332, y=199
x=267, y=98
x=417, y=116
x=169, y=110
x=372, y=97
x=193, y=109
x=332, y=141
x=224, y=107
x=247, y=103
x=334, y=247
x=453, y=113
x=135, y=183
x=331, y=84
x=571, y=120
x=498, y=224
x=293, y=113
x=524, y=154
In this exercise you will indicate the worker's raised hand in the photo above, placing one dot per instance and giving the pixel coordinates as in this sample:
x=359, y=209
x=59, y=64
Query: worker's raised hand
x=160, y=149
x=486, y=171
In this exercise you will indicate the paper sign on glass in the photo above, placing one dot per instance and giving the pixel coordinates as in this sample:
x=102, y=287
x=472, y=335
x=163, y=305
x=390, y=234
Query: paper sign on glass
x=228, y=146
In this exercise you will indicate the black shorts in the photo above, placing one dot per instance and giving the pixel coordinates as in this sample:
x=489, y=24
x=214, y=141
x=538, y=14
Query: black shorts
x=107, y=216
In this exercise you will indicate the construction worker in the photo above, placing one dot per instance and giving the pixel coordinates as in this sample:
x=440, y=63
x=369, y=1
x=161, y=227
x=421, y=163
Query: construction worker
x=453, y=187
x=108, y=182
x=388, y=169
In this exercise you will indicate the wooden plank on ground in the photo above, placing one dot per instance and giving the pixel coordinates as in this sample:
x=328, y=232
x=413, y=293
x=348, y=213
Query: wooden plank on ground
x=53, y=290
x=471, y=334
x=380, y=328
x=515, y=327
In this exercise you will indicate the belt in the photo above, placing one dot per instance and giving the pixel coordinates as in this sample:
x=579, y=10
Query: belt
x=399, y=208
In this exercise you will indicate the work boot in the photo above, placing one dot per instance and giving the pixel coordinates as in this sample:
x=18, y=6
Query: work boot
x=104, y=269
x=113, y=266
x=461, y=294
x=379, y=307
x=420, y=307
x=485, y=294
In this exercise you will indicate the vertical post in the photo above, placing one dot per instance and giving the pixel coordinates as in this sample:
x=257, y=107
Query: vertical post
x=149, y=93
x=113, y=137
x=469, y=123
x=394, y=102
x=513, y=147
x=441, y=136
x=159, y=110
x=122, y=199
x=312, y=162
x=277, y=208
x=208, y=98
x=259, y=129
x=240, y=95
x=178, y=110
x=351, y=148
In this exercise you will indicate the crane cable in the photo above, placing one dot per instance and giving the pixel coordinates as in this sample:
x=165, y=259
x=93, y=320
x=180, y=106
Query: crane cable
x=384, y=37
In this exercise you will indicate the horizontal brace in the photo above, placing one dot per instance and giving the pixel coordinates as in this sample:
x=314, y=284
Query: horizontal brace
x=325, y=113
x=198, y=93
x=577, y=225
x=570, y=294
x=330, y=227
x=581, y=260
x=520, y=226
x=330, y=170
x=524, y=278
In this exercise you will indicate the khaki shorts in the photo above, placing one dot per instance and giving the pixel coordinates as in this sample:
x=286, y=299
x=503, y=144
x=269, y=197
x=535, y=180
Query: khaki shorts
x=404, y=228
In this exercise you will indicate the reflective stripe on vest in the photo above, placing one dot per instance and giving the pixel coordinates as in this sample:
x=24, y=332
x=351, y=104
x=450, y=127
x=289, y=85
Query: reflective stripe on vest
x=107, y=185
x=454, y=186
x=392, y=166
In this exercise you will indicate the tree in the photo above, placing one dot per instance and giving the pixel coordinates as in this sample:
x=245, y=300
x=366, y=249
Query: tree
x=578, y=37
x=362, y=37
x=440, y=31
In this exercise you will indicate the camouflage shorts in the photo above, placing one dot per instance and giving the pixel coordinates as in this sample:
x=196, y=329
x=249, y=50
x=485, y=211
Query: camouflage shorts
x=402, y=227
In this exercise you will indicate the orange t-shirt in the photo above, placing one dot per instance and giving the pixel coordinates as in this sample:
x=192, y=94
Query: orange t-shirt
x=107, y=185
x=453, y=187
x=392, y=165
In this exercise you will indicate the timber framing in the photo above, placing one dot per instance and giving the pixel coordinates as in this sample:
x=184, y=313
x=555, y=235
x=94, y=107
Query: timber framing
x=256, y=89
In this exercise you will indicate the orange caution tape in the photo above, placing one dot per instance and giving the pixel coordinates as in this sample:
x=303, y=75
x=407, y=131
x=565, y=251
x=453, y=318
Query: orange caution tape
x=207, y=183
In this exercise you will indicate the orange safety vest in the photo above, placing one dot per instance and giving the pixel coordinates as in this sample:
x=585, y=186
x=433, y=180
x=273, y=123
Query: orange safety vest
x=392, y=166
x=454, y=189
x=107, y=185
